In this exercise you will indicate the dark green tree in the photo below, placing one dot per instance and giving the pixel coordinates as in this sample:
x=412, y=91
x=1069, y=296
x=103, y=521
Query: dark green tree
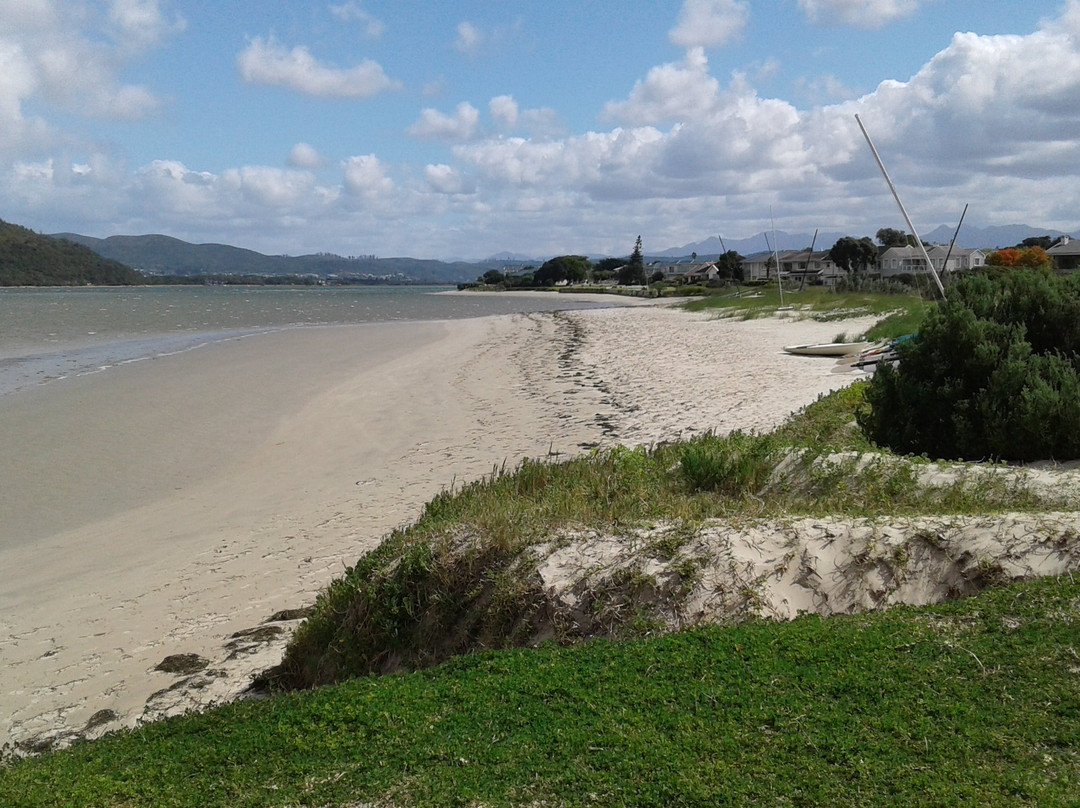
x=1046, y=242
x=993, y=373
x=888, y=237
x=633, y=272
x=729, y=266
x=492, y=277
x=570, y=268
x=853, y=255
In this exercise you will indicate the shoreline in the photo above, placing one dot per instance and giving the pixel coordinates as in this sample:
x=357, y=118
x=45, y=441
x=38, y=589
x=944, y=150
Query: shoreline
x=303, y=449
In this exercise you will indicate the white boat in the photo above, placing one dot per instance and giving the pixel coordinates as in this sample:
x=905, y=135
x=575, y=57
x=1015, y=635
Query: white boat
x=828, y=349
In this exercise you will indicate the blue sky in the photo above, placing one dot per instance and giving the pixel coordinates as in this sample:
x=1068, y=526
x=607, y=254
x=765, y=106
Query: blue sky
x=461, y=129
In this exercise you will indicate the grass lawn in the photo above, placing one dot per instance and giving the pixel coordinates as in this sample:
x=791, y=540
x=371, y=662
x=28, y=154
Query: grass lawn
x=976, y=702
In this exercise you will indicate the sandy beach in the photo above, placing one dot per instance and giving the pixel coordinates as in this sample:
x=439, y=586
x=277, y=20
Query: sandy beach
x=161, y=507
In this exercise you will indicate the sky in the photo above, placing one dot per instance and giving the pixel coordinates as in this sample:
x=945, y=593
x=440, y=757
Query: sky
x=463, y=129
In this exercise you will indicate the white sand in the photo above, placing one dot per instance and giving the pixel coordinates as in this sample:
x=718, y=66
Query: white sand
x=157, y=508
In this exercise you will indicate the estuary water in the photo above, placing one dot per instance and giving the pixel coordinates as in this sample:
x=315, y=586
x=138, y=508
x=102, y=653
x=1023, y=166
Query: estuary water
x=51, y=333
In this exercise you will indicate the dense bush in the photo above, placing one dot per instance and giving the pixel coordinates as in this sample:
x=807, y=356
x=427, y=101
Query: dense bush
x=993, y=374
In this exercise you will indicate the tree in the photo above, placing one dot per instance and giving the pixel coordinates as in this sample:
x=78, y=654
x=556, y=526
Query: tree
x=492, y=277
x=729, y=266
x=853, y=255
x=633, y=272
x=1030, y=257
x=1046, y=242
x=570, y=268
x=888, y=237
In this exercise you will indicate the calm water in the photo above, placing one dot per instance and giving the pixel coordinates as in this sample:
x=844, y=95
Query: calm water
x=50, y=333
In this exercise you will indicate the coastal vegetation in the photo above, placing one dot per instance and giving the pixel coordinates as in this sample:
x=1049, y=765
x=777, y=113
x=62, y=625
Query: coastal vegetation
x=994, y=373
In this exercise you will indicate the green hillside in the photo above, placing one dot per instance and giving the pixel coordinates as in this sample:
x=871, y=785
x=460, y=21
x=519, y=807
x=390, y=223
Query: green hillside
x=30, y=259
x=165, y=255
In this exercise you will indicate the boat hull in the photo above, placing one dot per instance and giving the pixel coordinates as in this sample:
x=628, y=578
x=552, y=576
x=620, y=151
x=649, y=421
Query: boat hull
x=828, y=349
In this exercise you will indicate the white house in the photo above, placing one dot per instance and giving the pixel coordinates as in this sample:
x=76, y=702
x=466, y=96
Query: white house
x=909, y=260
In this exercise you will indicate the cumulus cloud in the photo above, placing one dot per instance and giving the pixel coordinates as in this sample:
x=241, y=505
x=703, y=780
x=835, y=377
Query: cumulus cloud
x=504, y=111
x=303, y=155
x=444, y=179
x=707, y=23
x=669, y=92
x=461, y=125
x=71, y=57
x=366, y=176
x=139, y=24
x=268, y=63
x=351, y=11
x=860, y=13
x=469, y=38
x=269, y=188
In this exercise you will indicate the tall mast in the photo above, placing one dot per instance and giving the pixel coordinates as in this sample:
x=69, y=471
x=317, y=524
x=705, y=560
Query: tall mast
x=903, y=210
x=776, y=256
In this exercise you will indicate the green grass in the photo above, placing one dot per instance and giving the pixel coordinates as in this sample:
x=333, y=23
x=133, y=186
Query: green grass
x=901, y=311
x=975, y=702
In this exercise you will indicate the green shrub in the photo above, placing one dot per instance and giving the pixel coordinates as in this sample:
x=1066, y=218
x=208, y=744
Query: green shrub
x=994, y=373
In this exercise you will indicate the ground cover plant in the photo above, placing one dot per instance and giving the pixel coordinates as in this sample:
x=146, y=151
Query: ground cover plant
x=974, y=702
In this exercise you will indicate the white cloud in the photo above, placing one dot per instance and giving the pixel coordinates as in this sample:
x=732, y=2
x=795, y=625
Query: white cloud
x=71, y=57
x=365, y=176
x=860, y=13
x=351, y=11
x=268, y=63
x=504, y=111
x=707, y=23
x=444, y=179
x=469, y=38
x=269, y=188
x=459, y=126
x=303, y=155
x=669, y=92
x=139, y=24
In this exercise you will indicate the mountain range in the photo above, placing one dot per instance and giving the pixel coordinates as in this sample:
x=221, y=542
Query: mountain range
x=164, y=255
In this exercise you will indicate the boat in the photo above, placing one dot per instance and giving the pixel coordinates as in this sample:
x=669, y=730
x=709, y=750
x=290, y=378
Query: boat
x=833, y=349
x=881, y=354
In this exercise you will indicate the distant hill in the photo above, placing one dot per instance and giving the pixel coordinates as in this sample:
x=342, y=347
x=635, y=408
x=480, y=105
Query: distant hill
x=164, y=255
x=988, y=237
x=30, y=259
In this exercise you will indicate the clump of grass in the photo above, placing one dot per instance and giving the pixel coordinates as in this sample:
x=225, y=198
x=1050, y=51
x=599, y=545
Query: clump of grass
x=736, y=466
